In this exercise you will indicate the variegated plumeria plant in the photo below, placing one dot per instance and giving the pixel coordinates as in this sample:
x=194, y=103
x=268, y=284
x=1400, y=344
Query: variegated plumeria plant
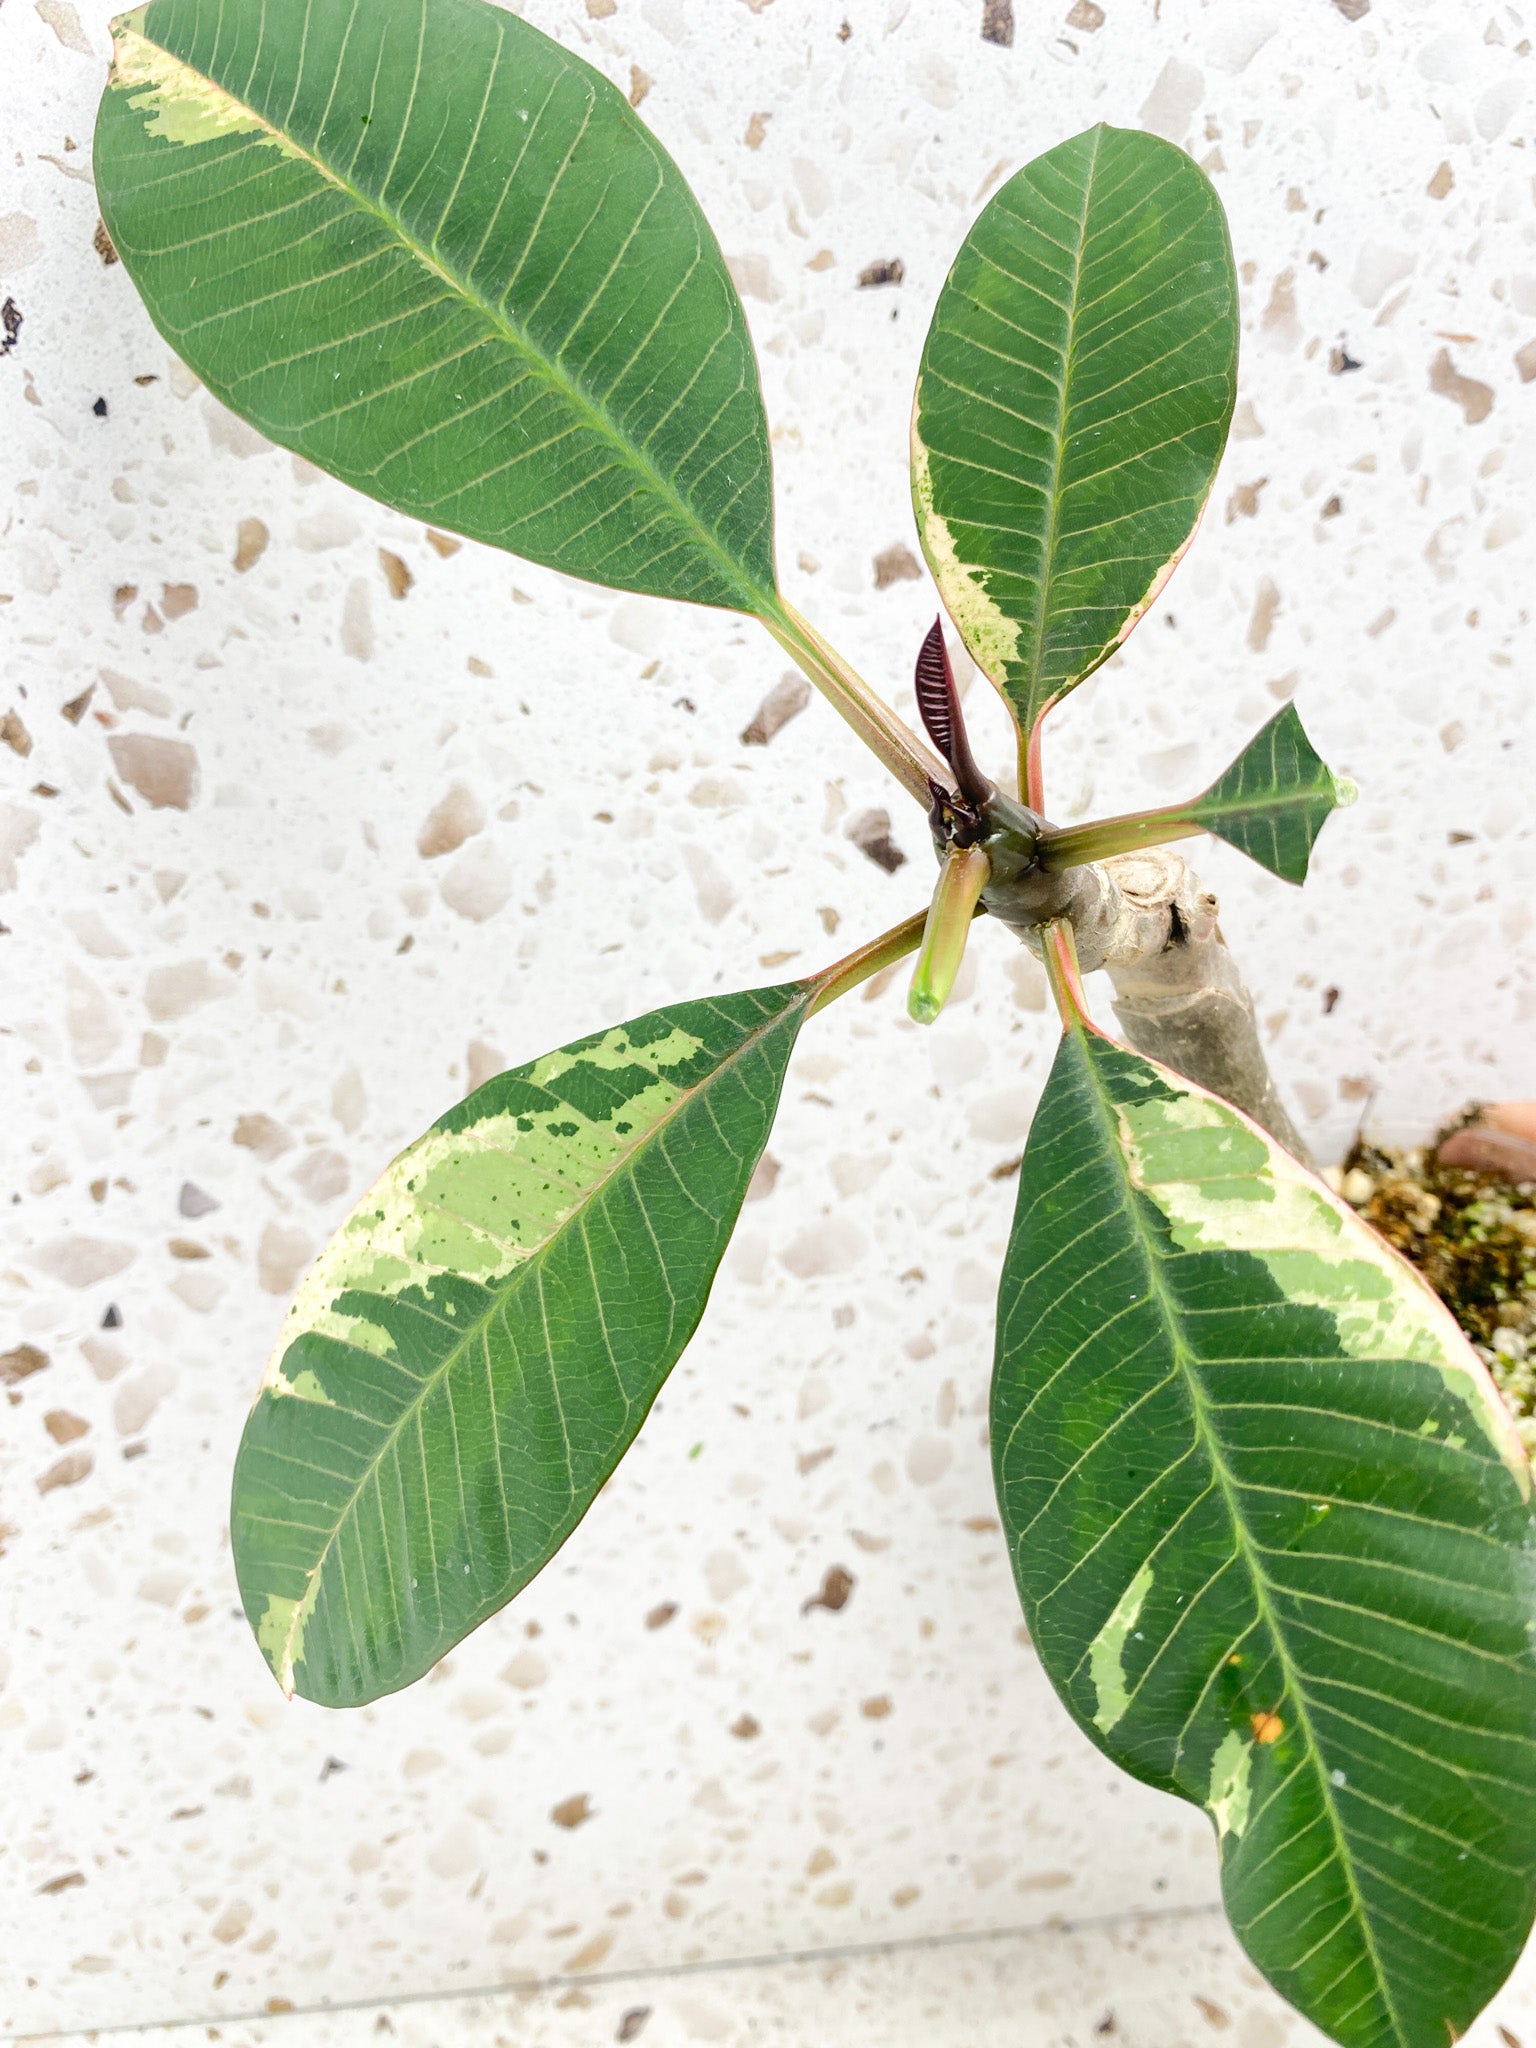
x=1267, y=1516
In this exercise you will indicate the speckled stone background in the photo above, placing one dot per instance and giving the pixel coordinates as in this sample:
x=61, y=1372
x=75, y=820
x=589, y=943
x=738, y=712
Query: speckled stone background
x=307, y=823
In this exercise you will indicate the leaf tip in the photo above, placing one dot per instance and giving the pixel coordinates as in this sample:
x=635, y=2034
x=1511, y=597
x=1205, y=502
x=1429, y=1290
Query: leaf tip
x=280, y=1634
x=129, y=23
x=178, y=104
x=923, y=1006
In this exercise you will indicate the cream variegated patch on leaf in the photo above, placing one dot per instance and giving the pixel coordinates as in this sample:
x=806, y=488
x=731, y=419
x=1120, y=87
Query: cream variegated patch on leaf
x=480, y=1342
x=1072, y=405
x=1270, y=1523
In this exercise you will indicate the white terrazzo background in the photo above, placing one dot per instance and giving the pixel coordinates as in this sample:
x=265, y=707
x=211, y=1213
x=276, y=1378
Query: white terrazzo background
x=265, y=992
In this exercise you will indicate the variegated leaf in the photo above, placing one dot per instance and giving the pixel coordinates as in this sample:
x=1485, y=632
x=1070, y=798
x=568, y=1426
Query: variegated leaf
x=479, y=1344
x=1271, y=1527
x=1072, y=405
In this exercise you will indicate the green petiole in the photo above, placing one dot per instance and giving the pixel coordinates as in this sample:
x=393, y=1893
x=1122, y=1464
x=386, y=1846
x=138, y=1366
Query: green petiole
x=888, y=738
x=1075, y=846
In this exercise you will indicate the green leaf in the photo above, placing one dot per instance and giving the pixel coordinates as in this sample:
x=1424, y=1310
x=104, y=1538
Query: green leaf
x=434, y=253
x=1270, y=1525
x=1270, y=804
x=1274, y=799
x=1072, y=405
x=477, y=1347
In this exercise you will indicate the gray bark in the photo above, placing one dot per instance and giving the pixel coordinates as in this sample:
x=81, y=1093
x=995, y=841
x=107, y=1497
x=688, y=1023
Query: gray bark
x=1147, y=920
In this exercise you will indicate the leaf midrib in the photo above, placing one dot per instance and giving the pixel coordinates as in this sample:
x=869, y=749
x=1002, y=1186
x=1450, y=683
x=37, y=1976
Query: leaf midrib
x=1187, y=1360
x=1296, y=809
x=757, y=594
x=1279, y=802
x=476, y=1330
x=1058, y=452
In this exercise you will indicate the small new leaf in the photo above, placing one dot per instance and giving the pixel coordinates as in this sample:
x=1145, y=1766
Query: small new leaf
x=1274, y=799
x=1270, y=804
x=1270, y=1523
x=1072, y=405
x=479, y=1344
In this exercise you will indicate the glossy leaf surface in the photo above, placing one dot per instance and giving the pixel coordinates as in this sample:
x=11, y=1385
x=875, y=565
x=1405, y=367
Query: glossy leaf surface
x=479, y=1344
x=1072, y=405
x=438, y=255
x=1270, y=1525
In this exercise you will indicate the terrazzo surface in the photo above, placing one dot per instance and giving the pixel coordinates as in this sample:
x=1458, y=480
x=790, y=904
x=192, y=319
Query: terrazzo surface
x=309, y=821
